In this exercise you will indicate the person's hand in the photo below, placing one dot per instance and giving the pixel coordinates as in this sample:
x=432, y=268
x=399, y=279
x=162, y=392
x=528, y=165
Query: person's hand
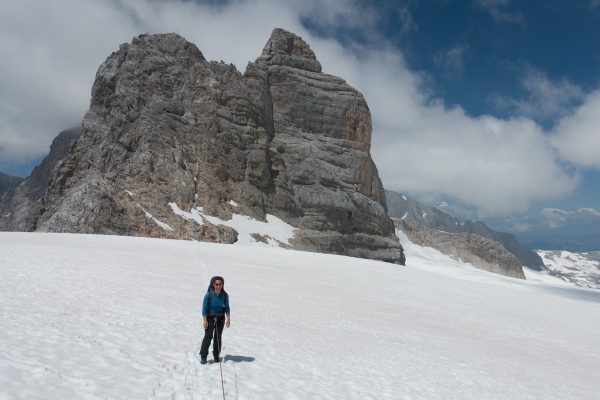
x=205, y=324
x=228, y=322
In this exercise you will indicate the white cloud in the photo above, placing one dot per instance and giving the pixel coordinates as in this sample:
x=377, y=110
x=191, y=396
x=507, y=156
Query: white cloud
x=51, y=51
x=546, y=99
x=556, y=218
x=498, y=166
x=577, y=137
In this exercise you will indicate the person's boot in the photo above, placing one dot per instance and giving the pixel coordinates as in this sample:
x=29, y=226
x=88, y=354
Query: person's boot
x=203, y=359
x=216, y=358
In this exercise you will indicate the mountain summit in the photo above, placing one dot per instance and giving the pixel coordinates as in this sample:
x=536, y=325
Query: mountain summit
x=285, y=48
x=176, y=146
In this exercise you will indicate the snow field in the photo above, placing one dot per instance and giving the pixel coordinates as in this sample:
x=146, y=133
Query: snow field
x=89, y=316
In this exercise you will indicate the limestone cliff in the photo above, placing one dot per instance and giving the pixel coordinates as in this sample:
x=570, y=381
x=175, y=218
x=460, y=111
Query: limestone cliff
x=8, y=183
x=166, y=126
x=480, y=252
x=403, y=207
x=21, y=208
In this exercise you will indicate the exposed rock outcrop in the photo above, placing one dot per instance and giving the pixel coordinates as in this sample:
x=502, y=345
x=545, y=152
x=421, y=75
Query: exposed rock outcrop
x=21, y=209
x=480, y=252
x=8, y=183
x=403, y=207
x=167, y=126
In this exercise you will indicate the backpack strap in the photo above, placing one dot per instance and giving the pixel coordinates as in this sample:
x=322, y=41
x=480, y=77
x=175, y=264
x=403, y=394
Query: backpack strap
x=225, y=298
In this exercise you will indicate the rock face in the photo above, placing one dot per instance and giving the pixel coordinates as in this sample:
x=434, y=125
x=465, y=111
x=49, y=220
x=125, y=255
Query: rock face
x=167, y=126
x=402, y=207
x=8, y=183
x=21, y=209
x=482, y=253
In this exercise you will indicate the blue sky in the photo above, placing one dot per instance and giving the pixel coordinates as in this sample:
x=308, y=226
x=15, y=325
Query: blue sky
x=492, y=104
x=477, y=53
x=557, y=38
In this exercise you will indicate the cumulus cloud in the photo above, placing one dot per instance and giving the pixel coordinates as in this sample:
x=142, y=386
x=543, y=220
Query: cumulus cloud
x=577, y=137
x=51, y=51
x=556, y=218
x=499, y=166
x=545, y=99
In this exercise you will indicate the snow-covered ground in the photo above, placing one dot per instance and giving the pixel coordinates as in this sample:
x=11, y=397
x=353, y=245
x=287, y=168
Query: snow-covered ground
x=106, y=317
x=581, y=269
x=273, y=232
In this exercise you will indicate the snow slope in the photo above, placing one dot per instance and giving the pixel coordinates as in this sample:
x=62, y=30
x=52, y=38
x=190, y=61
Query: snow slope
x=88, y=317
x=581, y=269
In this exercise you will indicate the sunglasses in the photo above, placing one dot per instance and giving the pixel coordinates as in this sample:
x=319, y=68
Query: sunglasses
x=218, y=284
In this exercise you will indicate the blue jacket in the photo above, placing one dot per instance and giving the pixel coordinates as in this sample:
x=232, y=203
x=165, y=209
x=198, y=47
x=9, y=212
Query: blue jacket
x=218, y=304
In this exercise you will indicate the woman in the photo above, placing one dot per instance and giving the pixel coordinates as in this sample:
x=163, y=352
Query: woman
x=215, y=310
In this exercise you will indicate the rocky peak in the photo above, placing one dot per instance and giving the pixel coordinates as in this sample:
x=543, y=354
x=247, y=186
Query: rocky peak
x=38, y=180
x=21, y=208
x=179, y=147
x=163, y=47
x=286, y=48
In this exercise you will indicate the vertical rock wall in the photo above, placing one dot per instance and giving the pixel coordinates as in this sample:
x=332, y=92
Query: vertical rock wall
x=165, y=125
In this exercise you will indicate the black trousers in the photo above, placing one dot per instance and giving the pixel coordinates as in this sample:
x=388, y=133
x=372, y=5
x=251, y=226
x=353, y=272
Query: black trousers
x=215, y=325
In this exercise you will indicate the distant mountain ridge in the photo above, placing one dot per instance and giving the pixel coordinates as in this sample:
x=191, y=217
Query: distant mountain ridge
x=582, y=269
x=581, y=244
x=480, y=252
x=21, y=208
x=555, y=229
x=8, y=183
x=402, y=207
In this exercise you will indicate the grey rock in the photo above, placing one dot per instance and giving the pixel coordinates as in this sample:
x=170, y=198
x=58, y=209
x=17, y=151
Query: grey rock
x=482, y=253
x=165, y=125
x=403, y=207
x=8, y=183
x=20, y=210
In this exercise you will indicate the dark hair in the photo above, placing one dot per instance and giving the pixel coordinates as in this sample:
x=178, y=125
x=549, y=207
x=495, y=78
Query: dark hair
x=212, y=283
